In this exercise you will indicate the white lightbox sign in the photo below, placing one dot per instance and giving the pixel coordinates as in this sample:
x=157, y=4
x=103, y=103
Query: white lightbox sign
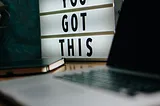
x=77, y=47
x=56, y=5
x=86, y=21
x=77, y=28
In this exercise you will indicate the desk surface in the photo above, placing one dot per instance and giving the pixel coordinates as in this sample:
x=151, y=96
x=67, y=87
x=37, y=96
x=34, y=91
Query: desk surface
x=69, y=66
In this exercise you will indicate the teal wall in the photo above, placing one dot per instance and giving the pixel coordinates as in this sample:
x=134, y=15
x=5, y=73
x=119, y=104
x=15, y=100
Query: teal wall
x=21, y=39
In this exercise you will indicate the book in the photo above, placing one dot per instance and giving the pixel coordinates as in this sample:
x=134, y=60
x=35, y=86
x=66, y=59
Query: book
x=30, y=66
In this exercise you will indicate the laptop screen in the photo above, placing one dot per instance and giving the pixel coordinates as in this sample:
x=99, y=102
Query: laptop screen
x=131, y=49
x=123, y=49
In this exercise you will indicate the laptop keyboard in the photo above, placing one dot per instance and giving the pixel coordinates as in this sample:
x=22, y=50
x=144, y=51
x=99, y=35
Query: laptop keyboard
x=115, y=81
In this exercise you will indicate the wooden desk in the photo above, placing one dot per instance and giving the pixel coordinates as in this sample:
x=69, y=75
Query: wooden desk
x=69, y=66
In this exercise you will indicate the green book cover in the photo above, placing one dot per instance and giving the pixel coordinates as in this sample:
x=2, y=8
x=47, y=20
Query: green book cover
x=21, y=39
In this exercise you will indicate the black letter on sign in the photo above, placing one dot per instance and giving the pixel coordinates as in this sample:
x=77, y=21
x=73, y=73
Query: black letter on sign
x=62, y=51
x=74, y=3
x=74, y=22
x=83, y=2
x=83, y=20
x=64, y=24
x=70, y=47
x=89, y=47
x=80, y=48
x=64, y=2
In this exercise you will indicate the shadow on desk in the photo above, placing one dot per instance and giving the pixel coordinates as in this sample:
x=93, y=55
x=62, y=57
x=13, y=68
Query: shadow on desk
x=7, y=101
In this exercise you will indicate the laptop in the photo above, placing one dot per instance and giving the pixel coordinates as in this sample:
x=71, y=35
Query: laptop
x=130, y=66
x=126, y=80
